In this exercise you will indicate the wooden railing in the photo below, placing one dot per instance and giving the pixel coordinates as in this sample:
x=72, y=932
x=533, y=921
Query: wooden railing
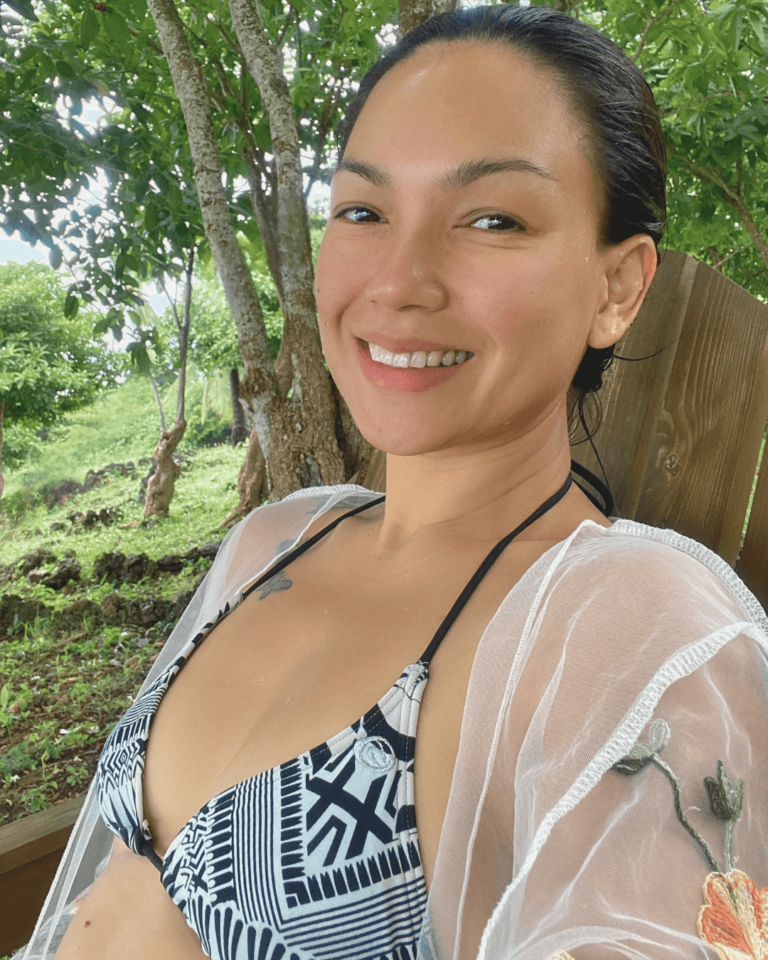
x=30, y=851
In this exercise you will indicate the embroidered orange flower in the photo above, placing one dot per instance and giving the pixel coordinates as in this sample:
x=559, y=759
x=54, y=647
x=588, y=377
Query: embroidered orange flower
x=734, y=918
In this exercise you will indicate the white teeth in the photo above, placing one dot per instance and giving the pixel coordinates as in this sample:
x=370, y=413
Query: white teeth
x=419, y=358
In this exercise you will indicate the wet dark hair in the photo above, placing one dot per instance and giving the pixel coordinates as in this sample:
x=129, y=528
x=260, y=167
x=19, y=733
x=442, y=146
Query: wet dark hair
x=607, y=93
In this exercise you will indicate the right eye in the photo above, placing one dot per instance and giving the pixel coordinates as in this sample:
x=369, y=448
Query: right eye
x=354, y=210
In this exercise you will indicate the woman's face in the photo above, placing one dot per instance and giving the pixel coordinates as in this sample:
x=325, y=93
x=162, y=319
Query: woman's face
x=503, y=265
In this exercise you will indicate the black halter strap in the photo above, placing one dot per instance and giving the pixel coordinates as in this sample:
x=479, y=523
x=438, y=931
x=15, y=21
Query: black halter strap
x=484, y=567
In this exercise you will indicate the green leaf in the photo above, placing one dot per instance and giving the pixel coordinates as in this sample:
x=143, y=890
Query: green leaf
x=71, y=305
x=5, y=696
x=739, y=29
x=89, y=27
x=101, y=326
x=116, y=27
x=54, y=257
x=23, y=7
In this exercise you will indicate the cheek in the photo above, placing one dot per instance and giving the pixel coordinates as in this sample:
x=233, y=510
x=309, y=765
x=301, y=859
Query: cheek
x=510, y=294
x=534, y=306
x=335, y=283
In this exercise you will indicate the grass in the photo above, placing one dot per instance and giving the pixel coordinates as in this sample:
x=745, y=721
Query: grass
x=64, y=686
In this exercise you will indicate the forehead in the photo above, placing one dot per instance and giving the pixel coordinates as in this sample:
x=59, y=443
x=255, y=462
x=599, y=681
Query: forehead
x=453, y=101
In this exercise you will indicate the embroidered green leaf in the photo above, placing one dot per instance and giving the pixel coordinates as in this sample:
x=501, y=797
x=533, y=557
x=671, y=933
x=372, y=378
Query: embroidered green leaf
x=725, y=798
x=642, y=753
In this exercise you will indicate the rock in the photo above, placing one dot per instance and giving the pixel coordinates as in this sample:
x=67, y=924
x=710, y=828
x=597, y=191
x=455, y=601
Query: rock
x=181, y=603
x=15, y=610
x=77, y=612
x=112, y=607
x=90, y=520
x=171, y=563
x=109, y=515
x=207, y=551
x=137, y=566
x=109, y=566
x=34, y=559
x=93, y=478
x=141, y=613
x=147, y=612
x=56, y=527
x=65, y=570
x=62, y=492
x=35, y=576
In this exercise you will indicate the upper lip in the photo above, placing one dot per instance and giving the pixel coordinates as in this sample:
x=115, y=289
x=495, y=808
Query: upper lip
x=406, y=346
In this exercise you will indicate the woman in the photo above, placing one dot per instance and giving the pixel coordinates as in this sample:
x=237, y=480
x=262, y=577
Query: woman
x=495, y=216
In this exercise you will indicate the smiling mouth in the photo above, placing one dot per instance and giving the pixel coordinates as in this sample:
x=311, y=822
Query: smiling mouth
x=417, y=358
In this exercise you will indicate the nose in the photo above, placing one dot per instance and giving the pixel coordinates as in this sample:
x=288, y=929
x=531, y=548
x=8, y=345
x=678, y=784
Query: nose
x=408, y=273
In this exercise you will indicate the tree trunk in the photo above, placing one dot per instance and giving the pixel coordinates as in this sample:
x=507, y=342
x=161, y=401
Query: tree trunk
x=357, y=450
x=2, y=479
x=296, y=435
x=159, y=403
x=239, y=427
x=414, y=12
x=183, y=328
x=311, y=413
x=251, y=482
x=163, y=480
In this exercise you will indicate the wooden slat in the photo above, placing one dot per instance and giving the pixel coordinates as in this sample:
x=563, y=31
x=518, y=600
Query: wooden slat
x=682, y=431
x=752, y=565
x=30, y=851
x=632, y=396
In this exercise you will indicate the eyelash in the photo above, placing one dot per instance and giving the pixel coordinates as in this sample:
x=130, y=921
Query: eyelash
x=487, y=216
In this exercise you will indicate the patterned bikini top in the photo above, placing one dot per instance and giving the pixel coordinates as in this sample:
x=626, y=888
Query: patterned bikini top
x=317, y=857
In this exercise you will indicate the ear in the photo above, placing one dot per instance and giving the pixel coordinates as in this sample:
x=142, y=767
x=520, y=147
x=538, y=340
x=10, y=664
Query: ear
x=629, y=268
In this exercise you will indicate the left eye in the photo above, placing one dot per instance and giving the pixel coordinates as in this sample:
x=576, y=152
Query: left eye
x=492, y=219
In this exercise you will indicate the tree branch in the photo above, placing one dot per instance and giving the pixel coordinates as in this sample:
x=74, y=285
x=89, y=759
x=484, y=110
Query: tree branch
x=288, y=18
x=710, y=98
x=731, y=255
x=731, y=195
x=651, y=22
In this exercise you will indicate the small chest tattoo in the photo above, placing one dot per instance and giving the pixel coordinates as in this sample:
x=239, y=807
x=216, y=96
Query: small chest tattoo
x=274, y=584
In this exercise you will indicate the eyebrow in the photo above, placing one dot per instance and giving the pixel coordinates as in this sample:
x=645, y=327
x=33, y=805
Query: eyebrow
x=455, y=178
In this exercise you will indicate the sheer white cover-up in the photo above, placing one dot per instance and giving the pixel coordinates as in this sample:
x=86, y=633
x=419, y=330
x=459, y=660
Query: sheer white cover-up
x=546, y=847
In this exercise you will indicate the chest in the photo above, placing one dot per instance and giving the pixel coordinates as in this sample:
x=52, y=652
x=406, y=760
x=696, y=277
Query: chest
x=306, y=655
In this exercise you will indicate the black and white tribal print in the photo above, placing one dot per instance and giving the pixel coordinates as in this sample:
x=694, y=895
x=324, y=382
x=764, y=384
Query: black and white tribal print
x=315, y=859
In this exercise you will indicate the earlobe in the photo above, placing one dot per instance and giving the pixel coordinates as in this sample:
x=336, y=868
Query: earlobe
x=630, y=268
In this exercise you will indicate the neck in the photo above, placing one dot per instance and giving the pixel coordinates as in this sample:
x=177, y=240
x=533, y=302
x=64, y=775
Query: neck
x=478, y=495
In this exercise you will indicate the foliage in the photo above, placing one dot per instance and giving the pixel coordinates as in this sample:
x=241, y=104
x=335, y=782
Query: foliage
x=213, y=340
x=121, y=426
x=133, y=164
x=112, y=198
x=707, y=63
x=50, y=363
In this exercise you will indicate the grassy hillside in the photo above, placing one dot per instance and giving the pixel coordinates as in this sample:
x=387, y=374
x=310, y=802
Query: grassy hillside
x=73, y=654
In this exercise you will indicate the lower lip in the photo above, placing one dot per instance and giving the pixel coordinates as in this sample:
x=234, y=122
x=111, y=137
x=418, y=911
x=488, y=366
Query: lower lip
x=407, y=379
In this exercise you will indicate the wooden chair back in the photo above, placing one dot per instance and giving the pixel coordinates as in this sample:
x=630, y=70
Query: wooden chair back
x=683, y=432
